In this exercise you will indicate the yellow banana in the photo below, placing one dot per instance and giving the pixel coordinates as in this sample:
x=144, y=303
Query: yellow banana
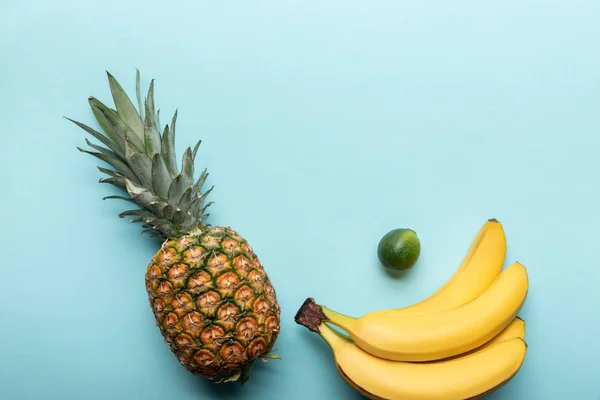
x=465, y=377
x=479, y=268
x=394, y=335
x=516, y=330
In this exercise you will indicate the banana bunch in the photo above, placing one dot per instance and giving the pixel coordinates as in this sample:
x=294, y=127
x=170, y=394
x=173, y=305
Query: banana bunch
x=462, y=342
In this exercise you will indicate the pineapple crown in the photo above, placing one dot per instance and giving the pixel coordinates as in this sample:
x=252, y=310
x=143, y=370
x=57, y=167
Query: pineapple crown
x=144, y=165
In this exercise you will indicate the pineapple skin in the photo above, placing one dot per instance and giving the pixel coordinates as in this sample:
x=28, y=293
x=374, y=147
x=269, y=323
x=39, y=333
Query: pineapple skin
x=213, y=303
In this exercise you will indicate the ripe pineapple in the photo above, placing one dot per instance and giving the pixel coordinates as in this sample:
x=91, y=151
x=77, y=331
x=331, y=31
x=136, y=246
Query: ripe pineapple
x=211, y=298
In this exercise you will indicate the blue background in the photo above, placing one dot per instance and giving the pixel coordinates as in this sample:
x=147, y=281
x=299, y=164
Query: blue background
x=324, y=125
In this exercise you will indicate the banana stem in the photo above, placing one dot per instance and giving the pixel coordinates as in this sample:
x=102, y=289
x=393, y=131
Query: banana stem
x=313, y=316
x=330, y=335
x=343, y=321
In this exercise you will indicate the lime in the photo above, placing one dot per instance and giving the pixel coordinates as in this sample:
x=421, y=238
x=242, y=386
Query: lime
x=399, y=249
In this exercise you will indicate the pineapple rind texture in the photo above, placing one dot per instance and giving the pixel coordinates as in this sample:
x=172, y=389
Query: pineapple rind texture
x=213, y=302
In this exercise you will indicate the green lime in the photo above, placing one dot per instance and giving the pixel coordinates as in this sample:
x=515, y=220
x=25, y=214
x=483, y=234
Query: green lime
x=399, y=249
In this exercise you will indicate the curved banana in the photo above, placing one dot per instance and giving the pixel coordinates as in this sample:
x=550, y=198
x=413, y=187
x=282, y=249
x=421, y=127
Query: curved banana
x=464, y=377
x=397, y=336
x=516, y=330
x=479, y=268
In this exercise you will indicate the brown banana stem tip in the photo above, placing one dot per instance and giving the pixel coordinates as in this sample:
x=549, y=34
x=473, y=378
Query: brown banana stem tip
x=310, y=315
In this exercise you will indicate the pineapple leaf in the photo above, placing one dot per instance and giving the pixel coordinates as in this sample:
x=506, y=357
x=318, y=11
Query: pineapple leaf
x=115, y=162
x=99, y=109
x=160, y=176
x=150, y=109
x=234, y=377
x=145, y=219
x=140, y=164
x=168, y=146
x=166, y=228
x=137, y=213
x=106, y=141
x=246, y=372
x=179, y=217
x=110, y=172
x=196, y=206
x=187, y=166
x=141, y=195
x=152, y=232
x=195, y=150
x=152, y=131
x=186, y=199
x=157, y=208
x=118, y=182
x=125, y=109
x=200, y=182
x=120, y=128
x=188, y=223
x=168, y=211
x=176, y=190
x=152, y=141
x=129, y=199
x=271, y=355
x=206, y=206
x=101, y=149
x=138, y=93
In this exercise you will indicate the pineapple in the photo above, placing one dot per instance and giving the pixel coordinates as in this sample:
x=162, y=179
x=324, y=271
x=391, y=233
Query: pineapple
x=210, y=295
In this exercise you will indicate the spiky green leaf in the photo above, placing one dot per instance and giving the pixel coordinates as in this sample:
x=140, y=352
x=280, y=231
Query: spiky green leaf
x=160, y=177
x=140, y=164
x=105, y=140
x=188, y=223
x=272, y=356
x=166, y=227
x=125, y=109
x=136, y=213
x=117, y=182
x=121, y=129
x=101, y=149
x=168, y=211
x=179, y=217
x=138, y=93
x=176, y=190
x=196, y=149
x=198, y=202
x=157, y=208
x=145, y=163
x=129, y=199
x=187, y=167
x=200, y=182
x=152, y=141
x=109, y=172
x=99, y=110
x=141, y=195
x=115, y=162
x=150, y=108
x=186, y=199
x=168, y=146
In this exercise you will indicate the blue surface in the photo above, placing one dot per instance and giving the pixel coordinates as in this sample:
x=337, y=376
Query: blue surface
x=324, y=125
